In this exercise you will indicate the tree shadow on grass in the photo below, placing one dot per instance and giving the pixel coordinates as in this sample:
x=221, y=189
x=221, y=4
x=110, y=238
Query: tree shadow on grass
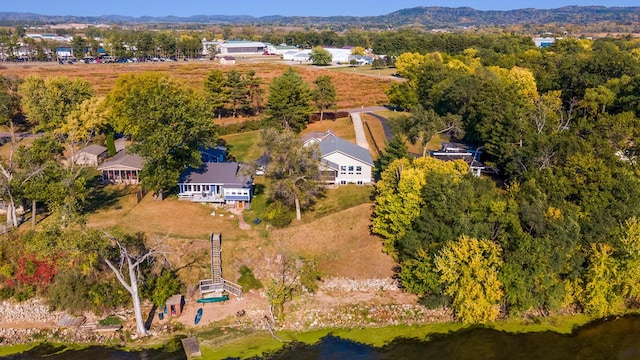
x=104, y=197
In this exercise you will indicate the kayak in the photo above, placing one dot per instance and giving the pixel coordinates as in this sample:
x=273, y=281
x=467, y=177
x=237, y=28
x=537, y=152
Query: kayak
x=213, y=299
x=198, y=316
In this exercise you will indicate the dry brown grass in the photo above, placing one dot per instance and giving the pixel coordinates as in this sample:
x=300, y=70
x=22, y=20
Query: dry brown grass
x=342, y=244
x=375, y=134
x=353, y=90
x=342, y=127
x=341, y=241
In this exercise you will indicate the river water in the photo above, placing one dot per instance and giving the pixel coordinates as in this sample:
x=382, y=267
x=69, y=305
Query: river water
x=615, y=338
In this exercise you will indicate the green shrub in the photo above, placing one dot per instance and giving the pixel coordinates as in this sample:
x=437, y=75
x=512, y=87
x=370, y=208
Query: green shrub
x=163, y=287
x=69, y=291
x=27, y=292
x=6, y=292
x=247, y=280
x=278, y=215
x=110, y=320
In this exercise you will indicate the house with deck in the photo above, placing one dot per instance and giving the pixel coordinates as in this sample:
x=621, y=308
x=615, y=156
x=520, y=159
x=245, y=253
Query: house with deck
x=342, y=162
x=122, y=168
x=224, y=183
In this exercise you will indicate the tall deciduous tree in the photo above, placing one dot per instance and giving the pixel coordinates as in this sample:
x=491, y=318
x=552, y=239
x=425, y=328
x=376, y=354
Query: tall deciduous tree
x=168, y=124
x=324, y=94
x=9, y=108
x=469, y=269
x=47, y=102
x=292, y=171
x=399, y=195
x=320, y=56
x=40, y=177
x=289, y=102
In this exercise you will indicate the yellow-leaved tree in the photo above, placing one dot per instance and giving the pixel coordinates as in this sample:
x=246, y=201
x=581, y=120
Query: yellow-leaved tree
x=469, y=271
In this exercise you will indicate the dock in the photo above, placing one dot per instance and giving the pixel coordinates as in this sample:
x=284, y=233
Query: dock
x=191, y=347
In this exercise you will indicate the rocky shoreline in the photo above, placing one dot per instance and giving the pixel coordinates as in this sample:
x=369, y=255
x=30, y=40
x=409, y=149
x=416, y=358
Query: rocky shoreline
x=32, y=321
x=339, y=303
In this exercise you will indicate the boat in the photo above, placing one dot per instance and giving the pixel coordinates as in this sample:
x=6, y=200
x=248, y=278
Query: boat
x=198, y=316
x=213, y=299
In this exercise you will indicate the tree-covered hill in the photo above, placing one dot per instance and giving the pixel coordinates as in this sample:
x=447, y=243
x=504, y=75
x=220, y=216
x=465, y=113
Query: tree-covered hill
x=424, y=17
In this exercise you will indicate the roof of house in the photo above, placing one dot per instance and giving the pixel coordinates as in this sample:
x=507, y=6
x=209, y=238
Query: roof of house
x=94, y=149
x=334, y=144
x=470, y=160
x=228, y=174
x=122, y=160
x=228, y=58
x=316, y=135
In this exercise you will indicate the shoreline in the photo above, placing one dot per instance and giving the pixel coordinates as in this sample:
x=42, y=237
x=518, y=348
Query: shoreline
x=219, y=341
x=370, y=312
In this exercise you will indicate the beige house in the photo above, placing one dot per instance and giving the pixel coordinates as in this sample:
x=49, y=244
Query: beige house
x=122, y=168
x=92, y=155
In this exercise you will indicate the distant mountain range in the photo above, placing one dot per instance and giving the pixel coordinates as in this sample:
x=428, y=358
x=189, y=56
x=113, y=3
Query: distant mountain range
x=426, y=17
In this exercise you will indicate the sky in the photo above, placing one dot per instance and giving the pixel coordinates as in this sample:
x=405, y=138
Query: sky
x=259, y=8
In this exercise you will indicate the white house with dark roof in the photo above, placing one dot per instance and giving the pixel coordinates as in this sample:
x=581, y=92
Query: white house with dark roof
x=92, y=155
x=342, y=162
x=217, y=182
x=122, y=168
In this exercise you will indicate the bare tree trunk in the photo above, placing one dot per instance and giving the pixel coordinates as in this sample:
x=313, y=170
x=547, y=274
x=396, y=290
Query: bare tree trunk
x=297, y=202
x=12, y=217
x=34, y=211
x=135, y=296
x=132, y=289
x=321, y=114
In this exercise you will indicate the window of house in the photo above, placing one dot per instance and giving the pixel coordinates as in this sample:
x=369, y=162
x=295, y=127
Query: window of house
x=358, y=170
x=187, y=187
x=359, y=182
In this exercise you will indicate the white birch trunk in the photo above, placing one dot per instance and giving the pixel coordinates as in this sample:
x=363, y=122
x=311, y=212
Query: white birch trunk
x=133, y=290
x=298, y=215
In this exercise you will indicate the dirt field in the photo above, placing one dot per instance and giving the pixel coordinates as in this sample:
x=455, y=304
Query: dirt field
x=353, y=90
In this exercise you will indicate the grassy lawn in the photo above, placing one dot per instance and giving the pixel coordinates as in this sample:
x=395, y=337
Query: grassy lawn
x=244, y=146
x=341, y=198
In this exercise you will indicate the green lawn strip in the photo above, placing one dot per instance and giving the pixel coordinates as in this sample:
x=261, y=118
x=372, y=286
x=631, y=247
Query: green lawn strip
x=7, y=350
x=342, y=198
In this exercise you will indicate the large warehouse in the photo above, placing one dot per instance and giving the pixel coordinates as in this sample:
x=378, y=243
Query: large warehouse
x=241, y=48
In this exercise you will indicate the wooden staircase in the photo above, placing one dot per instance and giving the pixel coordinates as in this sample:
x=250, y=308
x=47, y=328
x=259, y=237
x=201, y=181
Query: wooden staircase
x=217, y=283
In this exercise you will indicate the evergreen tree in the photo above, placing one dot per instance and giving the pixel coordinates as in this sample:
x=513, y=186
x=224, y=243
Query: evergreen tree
x=289, y=102
x=324, y=94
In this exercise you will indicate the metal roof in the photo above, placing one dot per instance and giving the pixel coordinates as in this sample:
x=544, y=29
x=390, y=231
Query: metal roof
x=228, y=174
x=94, y=149
x=335, y=144
x=122, y=160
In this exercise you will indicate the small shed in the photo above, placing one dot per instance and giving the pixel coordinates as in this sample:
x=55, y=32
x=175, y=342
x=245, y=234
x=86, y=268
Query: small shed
x=174, y=305
x=228, y=60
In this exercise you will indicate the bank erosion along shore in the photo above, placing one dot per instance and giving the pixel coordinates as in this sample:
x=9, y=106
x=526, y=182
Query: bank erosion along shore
x=370, y=311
